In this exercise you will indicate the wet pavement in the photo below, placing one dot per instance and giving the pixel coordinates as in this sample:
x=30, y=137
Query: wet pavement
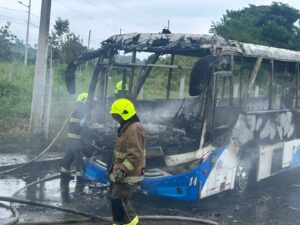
x=274, y=201
x=13, y=158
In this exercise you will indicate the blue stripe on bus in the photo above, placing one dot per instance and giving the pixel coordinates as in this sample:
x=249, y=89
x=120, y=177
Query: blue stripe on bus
x=185, y=186
x=178, y=186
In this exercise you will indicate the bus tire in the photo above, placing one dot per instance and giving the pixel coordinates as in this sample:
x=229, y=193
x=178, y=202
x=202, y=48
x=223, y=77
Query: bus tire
x=242, y=176
x=245, y=175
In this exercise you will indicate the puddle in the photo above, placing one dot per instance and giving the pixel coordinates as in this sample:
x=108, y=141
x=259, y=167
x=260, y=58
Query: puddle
x=273, y=201
x=11, y=159
x=17, y=158
x=8, y=187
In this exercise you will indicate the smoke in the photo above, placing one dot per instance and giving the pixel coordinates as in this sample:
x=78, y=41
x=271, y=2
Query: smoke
x=161, y=114
x=166, y=111
x=169, y=122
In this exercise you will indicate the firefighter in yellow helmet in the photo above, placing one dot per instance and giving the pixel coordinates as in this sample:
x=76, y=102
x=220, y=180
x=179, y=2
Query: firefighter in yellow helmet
x=74, y=146
x=128, y=161
x=120, y=91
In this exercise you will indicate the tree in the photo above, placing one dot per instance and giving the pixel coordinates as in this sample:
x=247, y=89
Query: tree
x=6, y=42
x=61, y=28
x=275, y=25
x=72, y=48
x=65, y=45
x=12, y=48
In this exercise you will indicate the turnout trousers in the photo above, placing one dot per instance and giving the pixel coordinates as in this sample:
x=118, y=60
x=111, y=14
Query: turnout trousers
x=122, y=209
x=73, y=154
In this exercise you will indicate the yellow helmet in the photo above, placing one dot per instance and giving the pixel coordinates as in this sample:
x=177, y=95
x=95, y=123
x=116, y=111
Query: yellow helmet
x=124, y=108
x=119, y=86
x=82, y=97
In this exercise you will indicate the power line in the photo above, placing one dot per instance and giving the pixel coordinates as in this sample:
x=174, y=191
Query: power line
x=17, y=19
x=36, y=26
x=23, y=11
x=34, y=15
x=17, y=10
x=16, y=22
x=116, y=15
x=92, y=18
x=13, y=18
x=22, y=22
x=132, y=12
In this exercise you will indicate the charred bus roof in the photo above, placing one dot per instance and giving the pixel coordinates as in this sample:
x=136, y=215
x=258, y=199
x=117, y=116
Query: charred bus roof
x=178, y=44
x=194, y=45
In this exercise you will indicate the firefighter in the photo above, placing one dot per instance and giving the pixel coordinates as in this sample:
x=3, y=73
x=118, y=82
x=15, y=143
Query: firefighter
x=128, y=161
x=121, y=92
x=74, y=148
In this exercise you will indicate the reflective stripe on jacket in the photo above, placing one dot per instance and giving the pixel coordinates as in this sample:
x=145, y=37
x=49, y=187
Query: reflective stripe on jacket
x=129, y=154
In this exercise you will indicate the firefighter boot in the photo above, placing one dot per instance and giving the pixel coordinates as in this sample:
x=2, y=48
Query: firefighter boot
x=135, y=221
x=80, y=184
x=65, y=178
x=65, y=192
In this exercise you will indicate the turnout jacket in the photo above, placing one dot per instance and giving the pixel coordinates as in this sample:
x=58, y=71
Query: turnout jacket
x=129, y=153
x=75, y=127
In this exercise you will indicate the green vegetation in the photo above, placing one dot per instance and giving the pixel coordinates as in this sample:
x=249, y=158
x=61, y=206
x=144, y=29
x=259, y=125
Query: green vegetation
x=15, y=89
x=16, y=83
x=276, y=25
x=156, y=85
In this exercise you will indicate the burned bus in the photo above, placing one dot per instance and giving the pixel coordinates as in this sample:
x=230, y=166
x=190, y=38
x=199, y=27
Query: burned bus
x=218, y=114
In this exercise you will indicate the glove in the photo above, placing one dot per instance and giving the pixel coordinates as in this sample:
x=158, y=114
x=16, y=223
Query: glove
x=119, y=177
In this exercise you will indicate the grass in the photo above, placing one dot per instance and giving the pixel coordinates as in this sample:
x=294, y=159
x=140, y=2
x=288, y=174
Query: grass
x=16, y=84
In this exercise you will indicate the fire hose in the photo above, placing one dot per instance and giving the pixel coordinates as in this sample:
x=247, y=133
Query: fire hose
x=92, y=217
x=40, y=154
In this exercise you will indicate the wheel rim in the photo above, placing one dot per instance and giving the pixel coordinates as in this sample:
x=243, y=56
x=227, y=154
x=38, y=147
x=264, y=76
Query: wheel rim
x=242, y=177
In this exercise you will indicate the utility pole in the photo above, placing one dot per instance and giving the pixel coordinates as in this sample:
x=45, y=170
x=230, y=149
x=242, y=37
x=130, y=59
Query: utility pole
x=36, y=117
x=88, y=47
x=27, y=33
x=48, y=97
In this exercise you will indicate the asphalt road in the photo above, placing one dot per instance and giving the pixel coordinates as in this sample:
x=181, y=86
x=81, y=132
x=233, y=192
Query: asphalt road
x=274, y=201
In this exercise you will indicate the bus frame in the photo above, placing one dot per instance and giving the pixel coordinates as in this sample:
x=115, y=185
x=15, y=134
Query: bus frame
x=246, y=120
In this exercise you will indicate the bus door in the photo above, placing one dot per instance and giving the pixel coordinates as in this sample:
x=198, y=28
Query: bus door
x=222, y=175
x=222, y=111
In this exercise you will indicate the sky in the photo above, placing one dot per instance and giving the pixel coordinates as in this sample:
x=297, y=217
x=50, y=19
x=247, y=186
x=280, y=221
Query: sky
x=108, y=17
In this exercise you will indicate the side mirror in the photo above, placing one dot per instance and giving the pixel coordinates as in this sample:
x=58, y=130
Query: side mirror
x=200, y=77
x=202, y=72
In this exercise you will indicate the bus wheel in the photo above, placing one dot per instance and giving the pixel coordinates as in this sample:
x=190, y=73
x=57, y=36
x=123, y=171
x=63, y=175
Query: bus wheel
x=242, y=177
